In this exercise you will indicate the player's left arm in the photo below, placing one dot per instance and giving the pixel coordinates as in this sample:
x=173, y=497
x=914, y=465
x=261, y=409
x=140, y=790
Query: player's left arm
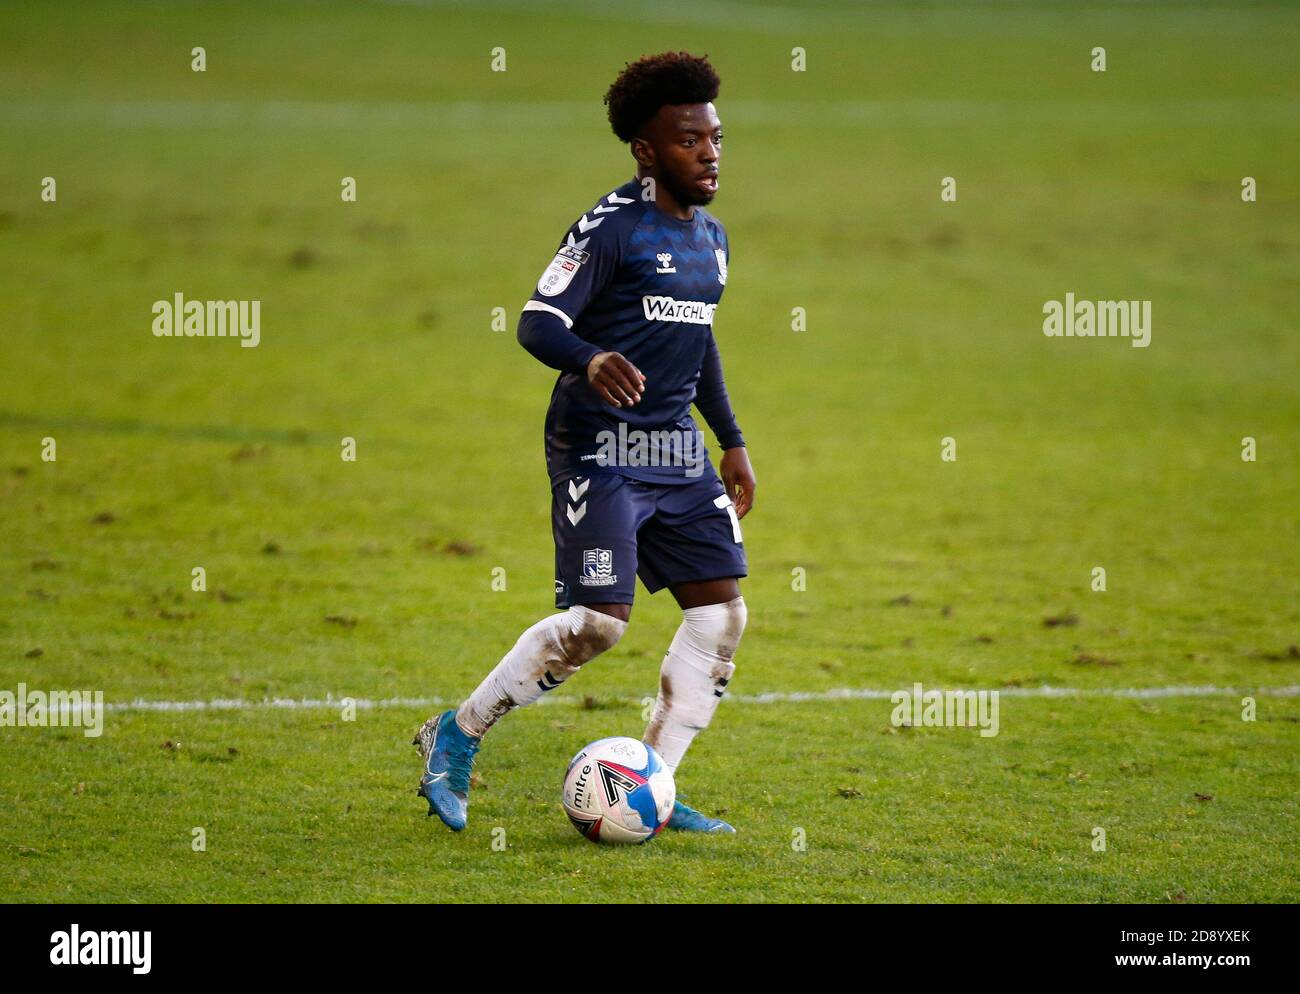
x=712, y=400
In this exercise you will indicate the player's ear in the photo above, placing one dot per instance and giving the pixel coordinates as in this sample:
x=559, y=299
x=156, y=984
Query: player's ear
x=643, y=152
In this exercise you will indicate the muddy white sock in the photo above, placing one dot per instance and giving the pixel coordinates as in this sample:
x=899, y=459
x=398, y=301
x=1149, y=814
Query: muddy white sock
x=694, y=676
x=544, y=657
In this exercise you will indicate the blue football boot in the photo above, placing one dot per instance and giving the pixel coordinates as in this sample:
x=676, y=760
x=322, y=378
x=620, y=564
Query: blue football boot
x=448, y=759
x=687, y=819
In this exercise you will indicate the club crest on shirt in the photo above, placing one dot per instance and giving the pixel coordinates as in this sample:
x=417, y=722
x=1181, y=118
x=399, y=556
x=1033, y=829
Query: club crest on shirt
x=722, y=265
x=597, y=568
x=559, y=274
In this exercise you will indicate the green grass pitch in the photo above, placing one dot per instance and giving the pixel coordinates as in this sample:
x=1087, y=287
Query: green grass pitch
x=373, y=579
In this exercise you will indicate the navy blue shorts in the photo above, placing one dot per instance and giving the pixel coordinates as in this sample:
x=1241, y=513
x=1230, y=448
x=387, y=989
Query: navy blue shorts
x=610, y=529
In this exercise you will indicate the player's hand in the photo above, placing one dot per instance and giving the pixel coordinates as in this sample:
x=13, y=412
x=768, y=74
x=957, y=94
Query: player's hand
x=738, y=478
x=616, y=380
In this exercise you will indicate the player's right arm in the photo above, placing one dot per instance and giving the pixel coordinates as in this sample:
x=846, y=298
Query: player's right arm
x=583, y=266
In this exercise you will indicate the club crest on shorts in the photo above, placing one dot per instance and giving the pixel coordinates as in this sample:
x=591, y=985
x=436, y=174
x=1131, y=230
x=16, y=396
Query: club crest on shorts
x=559, y=274
x=597, y=568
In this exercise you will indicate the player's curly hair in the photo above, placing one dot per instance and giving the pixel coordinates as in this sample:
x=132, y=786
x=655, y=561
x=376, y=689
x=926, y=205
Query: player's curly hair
x=654, y=80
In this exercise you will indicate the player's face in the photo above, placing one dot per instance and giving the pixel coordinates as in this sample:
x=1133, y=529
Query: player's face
x=687, y=141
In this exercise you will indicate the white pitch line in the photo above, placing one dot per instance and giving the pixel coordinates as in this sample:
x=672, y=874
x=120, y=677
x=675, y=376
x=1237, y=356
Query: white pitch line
x=780, y=697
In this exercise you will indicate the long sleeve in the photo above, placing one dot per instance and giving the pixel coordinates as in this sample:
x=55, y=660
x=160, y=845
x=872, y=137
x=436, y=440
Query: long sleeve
x=711, y=398
x=549, y=340
x=583, y=267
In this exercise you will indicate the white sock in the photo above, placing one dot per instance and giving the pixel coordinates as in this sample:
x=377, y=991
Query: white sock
x=694, y=676
x=544, y=657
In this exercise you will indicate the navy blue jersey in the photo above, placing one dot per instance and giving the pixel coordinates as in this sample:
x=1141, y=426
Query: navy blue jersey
x=632, y=279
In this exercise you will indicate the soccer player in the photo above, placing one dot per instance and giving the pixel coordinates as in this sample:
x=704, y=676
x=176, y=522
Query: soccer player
x=624, y=312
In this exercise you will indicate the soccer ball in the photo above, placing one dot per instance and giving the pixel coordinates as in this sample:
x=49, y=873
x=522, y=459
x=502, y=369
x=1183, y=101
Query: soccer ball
x=618, y=790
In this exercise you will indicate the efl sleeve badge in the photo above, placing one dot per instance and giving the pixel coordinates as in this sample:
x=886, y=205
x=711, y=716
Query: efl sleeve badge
x=559, y=274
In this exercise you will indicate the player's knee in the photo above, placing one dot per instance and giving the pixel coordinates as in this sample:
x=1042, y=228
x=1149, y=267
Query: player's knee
x=588, y=634
x=716, y=628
